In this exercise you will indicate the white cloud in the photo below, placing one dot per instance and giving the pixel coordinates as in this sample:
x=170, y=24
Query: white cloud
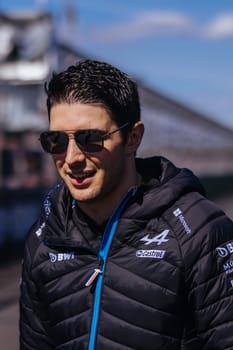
x=144, y=25
x=220, y=27
x=153, y=23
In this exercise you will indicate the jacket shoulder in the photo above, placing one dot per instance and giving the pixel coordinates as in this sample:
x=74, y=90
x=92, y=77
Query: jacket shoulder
x=33, y=240
x=199, y=225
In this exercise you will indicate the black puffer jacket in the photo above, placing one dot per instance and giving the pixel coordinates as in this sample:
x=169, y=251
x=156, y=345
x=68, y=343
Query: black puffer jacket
x=165, y=283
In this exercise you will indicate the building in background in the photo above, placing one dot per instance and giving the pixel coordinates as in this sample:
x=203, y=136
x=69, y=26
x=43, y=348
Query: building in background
x=30, y=50
x=26, y=60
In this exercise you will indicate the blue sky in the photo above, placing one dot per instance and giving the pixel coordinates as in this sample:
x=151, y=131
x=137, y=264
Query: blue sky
x=183, y=48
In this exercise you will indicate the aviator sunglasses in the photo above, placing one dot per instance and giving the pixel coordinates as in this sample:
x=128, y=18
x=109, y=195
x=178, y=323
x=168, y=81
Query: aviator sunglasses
x=89, y=141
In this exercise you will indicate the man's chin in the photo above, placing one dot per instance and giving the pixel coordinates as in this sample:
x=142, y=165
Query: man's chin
x=82, y=197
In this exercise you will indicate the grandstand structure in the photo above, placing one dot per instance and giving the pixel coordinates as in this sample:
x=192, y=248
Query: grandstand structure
x=185, y=136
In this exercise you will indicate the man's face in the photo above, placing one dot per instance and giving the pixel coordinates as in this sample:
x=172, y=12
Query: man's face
x=91, y=178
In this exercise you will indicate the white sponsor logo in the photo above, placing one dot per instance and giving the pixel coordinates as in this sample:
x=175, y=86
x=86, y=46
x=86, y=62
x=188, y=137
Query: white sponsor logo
x=40, y=229
x=178, y=213
x=224, y=251
x=158, y=239
x=61, y=256
x=155, y=254
x=228, y=267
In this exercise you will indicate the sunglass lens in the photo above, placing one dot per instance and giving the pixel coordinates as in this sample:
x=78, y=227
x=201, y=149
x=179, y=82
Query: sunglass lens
x=54, y=142
x=90, y=141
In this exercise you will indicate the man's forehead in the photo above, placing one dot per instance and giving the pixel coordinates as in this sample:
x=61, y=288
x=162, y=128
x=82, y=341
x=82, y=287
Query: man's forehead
x=79, y=116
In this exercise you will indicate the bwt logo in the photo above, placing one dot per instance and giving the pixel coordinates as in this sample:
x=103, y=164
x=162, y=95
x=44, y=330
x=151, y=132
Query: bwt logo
x=224, y=251
x=61, y=257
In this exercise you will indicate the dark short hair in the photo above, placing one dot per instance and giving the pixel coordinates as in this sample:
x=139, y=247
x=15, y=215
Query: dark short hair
x=91, y=81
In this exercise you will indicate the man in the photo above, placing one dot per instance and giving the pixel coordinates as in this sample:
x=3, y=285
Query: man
x=128, y=253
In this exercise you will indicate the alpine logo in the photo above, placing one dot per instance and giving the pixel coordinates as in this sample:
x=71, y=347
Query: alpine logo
x=153, y=253
x=158, y=239
x=61, y=256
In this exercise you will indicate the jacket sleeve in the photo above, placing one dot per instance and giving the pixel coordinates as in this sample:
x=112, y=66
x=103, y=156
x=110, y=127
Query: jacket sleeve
x=33, y=323
x=208, y=257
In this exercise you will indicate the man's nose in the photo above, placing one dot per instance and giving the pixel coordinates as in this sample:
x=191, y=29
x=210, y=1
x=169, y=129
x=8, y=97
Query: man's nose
x=74, y=153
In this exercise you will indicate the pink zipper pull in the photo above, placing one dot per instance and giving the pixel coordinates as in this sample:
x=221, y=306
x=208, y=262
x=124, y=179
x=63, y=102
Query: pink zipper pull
x=93, y=277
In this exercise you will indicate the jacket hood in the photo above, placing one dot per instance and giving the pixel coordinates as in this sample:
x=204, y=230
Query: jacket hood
x=163, y=184
x=163, y=174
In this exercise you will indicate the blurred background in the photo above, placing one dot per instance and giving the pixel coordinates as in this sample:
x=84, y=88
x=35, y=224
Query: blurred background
x=180, y=53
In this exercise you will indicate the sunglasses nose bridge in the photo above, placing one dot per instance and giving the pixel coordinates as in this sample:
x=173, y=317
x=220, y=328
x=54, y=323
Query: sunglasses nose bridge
x=73, y=151
x=70, y=135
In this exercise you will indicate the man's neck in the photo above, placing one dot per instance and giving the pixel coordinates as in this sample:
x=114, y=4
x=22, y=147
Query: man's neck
x=99, y=211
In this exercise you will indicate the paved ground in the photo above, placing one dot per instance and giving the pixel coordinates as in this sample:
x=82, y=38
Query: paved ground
x=9, y=315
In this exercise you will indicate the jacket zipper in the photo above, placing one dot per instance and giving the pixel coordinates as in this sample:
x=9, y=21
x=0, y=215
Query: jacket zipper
x=98, y=273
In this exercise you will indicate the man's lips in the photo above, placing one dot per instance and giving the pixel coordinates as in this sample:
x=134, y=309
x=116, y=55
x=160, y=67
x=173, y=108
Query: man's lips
x=80, y=178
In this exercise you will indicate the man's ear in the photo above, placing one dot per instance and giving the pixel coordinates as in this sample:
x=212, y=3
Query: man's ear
x=134, y=137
